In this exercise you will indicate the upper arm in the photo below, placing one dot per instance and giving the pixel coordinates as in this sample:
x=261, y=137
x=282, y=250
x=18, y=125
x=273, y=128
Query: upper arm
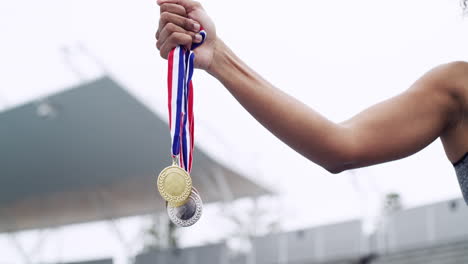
x=406, y=123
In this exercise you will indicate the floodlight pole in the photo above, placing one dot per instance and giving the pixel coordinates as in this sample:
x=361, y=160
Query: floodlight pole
x=103, y=206
x=4, y=101
x=20, y=249
x=67, y=57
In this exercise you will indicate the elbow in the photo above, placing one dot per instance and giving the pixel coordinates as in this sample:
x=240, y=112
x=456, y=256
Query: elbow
x=338, y=167
x=342, y=159
x=340, y=152
x=335, y=169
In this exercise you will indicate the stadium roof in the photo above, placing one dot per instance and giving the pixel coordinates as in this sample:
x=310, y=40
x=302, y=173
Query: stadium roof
x=92, y=153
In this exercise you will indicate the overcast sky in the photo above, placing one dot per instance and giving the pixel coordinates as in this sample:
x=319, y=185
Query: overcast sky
x=338, y=57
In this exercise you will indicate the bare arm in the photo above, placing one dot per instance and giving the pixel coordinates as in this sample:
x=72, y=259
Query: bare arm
x=386, y=131
x=390, y=130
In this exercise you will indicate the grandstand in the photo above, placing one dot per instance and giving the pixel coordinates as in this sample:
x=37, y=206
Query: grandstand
x=455, y=252
x=91, y=153
x=433, y=234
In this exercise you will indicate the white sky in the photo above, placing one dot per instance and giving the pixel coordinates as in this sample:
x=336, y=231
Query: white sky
x=338, y=57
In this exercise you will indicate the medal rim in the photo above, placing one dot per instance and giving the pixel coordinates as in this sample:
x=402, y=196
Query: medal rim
x=181, y=199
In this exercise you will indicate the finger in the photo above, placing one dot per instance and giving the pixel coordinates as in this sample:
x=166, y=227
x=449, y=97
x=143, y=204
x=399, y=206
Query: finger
x=173, y=41
x=173, y=8
x=170, y=28
x=188, y=4
x=183, y=22
x=167, y=17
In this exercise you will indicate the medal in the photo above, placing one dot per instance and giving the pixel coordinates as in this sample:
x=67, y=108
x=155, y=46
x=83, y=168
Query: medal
x=174, y=184
x=184, y=204
x=187, y=214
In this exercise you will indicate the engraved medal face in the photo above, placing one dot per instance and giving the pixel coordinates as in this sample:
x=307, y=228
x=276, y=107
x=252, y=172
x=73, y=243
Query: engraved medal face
x=174, y=185
x=187, y=214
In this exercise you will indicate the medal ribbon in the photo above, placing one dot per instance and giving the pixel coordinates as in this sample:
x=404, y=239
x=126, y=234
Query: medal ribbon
x=180, y=102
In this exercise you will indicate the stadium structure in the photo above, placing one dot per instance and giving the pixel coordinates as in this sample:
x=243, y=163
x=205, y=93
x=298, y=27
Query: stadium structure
x=435, y=234
x=91, y=153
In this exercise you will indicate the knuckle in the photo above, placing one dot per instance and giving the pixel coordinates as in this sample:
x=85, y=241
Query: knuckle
x=186, y=39
x=165, y=16
x=191, y=34
x=163, y=8
x=182, y=9
x=179, y=38
x=171, y=27
x=162, y=54
x=175, y=37
x=188, y=23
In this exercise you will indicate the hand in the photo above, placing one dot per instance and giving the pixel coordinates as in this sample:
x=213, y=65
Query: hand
x=179, y=24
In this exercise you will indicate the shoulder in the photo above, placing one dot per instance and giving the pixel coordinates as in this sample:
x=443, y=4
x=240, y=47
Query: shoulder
x=453, y=75
x=448, y=83
x=450, y=79
x=456, y=66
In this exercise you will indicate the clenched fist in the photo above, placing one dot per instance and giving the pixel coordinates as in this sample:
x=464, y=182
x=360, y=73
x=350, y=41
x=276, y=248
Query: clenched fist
x=179, y=24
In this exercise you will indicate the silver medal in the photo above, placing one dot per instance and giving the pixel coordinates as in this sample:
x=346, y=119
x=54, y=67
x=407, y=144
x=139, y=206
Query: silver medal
x=189, y=213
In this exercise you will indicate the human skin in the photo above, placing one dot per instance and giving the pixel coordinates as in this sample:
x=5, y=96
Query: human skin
x=434, y=106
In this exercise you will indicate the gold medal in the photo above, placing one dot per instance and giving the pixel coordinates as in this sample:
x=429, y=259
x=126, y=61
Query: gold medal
x=174, y=185
x=178, y=204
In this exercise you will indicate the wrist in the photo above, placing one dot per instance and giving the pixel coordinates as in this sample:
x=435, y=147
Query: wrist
x=220, y=59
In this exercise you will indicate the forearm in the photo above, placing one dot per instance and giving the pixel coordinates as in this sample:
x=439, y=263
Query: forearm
x=389, y=130
x=303, y=129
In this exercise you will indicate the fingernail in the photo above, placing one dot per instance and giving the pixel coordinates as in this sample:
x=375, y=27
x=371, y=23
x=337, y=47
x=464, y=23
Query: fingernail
x=196, y=27
x=198, y=38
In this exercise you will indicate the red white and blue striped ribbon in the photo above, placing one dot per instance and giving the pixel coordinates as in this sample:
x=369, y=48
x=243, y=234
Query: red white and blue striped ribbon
x=180, y=102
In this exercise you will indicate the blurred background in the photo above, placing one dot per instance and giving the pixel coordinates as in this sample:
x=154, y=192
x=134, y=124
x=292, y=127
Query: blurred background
x=83, y=135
